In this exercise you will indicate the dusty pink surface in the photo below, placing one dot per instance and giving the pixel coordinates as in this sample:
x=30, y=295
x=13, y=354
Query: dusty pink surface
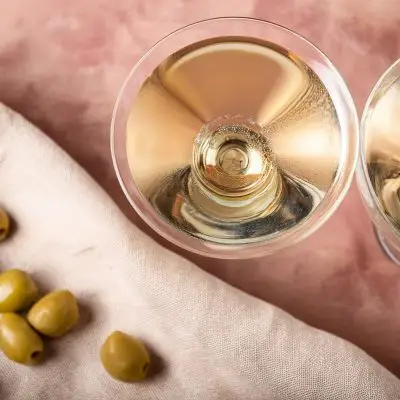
x=62, y=63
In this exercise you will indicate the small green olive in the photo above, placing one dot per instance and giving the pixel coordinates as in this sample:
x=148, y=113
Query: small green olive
x=17, y=291
x=55, y=314
x=4, y=225
x=18, y=341
x=125, y=358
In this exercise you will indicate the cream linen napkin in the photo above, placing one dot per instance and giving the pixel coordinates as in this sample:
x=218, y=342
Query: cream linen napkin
x=214, y=341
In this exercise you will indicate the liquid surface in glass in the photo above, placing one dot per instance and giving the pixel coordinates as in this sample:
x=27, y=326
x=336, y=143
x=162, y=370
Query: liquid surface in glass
x=233, y=140
x=383, y=149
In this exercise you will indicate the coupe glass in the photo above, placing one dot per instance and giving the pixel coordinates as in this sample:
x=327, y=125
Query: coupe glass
x=378, y=172
x=234, y=138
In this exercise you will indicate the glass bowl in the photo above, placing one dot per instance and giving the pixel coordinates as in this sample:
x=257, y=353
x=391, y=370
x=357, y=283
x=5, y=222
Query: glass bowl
x=378, y=170
x=297, y=48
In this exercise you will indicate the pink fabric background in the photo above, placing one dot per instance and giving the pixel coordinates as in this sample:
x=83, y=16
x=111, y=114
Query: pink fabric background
x=62, y=63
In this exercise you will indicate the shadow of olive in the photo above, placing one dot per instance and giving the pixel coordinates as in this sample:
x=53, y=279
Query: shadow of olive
x=158, y=367
x=14, y=227
x=86, y=315
x=42, y=283
x=2, y=393
x=50, y=351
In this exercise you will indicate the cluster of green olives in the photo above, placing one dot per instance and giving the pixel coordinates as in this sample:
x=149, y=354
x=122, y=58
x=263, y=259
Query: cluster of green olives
x=124, y=357
x=53, y=316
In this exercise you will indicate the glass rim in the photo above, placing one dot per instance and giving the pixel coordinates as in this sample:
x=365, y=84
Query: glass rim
x=393, y=71
x=334, y=84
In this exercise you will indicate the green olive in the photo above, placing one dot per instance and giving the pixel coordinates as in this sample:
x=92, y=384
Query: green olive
x=4, y=225
x=125, y=358
x=55, y=314
x=17, y=291
x=18, y=341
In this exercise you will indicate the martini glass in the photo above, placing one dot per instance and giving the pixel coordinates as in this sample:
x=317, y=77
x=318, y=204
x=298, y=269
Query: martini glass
x=378, y=172
x=234, y=138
